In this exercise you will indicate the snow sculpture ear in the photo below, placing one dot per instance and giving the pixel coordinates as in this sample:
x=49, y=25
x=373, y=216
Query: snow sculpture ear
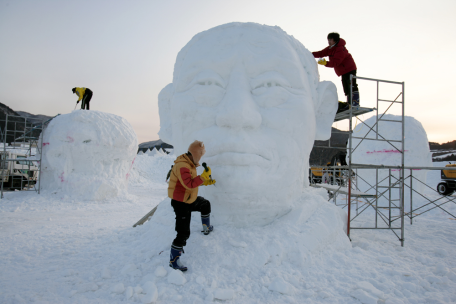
x=325, y=109
x=164, y=110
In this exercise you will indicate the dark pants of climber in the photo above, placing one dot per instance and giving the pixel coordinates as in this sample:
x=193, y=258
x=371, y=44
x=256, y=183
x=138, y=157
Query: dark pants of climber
x=184, y=215
x=86, y=99
x=346, y=84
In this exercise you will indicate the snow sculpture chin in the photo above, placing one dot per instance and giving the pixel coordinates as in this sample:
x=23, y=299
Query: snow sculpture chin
x=252, y=94
x=87, y=155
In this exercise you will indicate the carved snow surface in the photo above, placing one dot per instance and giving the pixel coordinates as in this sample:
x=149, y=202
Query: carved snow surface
x=252, y=94
x=416, y=146
x=88, y=155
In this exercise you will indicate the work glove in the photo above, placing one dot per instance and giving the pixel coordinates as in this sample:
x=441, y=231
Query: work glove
x=209, y=182
x=206, y=174
x=77, y=101
x=322, y=61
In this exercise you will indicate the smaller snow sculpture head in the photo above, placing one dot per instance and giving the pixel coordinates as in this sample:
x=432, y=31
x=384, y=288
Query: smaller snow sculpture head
x=87, y=155
x=252, y=94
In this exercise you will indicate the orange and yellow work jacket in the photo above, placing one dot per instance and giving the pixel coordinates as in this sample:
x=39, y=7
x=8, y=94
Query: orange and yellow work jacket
x=183, y=182
x=80, y=92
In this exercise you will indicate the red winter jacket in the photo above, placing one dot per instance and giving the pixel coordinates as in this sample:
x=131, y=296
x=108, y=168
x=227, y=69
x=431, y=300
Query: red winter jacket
x=339, y=58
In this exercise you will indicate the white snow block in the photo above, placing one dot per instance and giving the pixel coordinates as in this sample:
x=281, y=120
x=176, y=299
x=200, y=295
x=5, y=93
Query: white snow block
x=128, y=292
x=160, y=272
x=151, y=293
x=223, y=294
x=372, y=152
x=363, y=296
x=118, y=288
x=88, y=155
x=366, y=286
x=176, y=277
x=279, y=285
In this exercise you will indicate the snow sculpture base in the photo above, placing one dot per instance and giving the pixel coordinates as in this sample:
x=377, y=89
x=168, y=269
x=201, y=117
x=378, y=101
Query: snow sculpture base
x=288, y=244
x=88, y=155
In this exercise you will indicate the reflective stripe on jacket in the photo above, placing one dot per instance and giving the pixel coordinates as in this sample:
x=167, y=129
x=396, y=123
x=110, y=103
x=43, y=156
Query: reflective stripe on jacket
x=184, y=181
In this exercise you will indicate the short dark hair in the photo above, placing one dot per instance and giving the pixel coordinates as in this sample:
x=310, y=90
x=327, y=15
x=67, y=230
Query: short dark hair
x=334, y=36
x=73, y=90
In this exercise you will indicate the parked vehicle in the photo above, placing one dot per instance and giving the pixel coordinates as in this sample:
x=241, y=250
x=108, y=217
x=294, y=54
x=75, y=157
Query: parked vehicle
x=448, y=184
x=333, y=176
x=16, y=171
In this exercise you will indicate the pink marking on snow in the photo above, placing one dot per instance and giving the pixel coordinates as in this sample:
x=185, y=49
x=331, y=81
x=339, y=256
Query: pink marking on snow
x=70, y=139
x=128, y=174
x=45, y=144
x=385, y=151
x=61, y=176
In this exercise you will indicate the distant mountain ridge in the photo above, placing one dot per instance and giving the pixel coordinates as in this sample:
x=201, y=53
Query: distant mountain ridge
x=14, y=122
x=34, y=119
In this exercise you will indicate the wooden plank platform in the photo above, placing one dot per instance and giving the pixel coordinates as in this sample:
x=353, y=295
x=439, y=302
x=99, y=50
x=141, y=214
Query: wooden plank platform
x=346, y=114
x=342, y=190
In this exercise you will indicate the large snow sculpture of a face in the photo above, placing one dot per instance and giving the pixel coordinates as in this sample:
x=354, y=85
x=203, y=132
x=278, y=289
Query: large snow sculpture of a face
x=252, y=94
x=87, y=155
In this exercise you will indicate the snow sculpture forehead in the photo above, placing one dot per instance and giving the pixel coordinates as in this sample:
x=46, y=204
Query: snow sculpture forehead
x=238, y=34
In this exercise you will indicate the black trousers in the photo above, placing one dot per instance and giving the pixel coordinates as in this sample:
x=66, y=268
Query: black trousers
x=86, y=99
x=346, y=83
x=183, y=213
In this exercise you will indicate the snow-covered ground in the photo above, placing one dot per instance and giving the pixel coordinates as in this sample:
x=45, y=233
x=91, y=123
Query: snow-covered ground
x=59, y=250
x=440, y=157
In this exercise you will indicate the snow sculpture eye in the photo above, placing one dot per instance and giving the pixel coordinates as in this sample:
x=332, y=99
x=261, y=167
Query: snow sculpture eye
x=270, y=94
x=270, y=89
x=207, y=88
x=209, y=82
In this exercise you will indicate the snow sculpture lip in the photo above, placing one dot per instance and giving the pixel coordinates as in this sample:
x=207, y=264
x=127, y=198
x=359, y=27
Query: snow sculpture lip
x=235, y=154
x=236, y=158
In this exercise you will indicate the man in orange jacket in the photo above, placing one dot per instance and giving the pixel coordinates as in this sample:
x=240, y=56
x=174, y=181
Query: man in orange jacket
x=183, y=191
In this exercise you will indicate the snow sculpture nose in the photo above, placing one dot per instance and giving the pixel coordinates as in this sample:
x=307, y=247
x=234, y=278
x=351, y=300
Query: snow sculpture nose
x=239, y=110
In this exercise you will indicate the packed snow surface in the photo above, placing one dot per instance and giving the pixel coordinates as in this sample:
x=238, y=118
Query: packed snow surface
x=56, y=250
x=374, y=152
x=252, y=94
x=88, y=155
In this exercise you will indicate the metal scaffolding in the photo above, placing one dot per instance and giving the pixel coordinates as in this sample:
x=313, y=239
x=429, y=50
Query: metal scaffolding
x=20, y=155
x=345, y=178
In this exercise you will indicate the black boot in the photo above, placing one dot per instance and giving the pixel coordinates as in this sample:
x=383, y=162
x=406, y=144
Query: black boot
x=206, y=221
x=174, y=260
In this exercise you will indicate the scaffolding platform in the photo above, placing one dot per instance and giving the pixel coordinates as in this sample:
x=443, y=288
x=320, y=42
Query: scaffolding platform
x=343, y=190
x=346, y=114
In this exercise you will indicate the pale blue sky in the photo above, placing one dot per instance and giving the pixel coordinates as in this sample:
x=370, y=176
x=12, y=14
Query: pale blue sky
x=125, y=51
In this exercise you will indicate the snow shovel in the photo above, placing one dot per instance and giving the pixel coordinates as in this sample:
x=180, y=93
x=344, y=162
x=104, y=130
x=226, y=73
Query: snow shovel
x=146, y=217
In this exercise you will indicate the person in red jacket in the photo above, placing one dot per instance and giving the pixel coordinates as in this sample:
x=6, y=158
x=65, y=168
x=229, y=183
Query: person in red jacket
x=342, y=62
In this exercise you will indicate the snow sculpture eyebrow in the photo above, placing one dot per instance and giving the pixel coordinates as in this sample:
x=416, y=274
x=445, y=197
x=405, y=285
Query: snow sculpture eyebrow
x=270, y=78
